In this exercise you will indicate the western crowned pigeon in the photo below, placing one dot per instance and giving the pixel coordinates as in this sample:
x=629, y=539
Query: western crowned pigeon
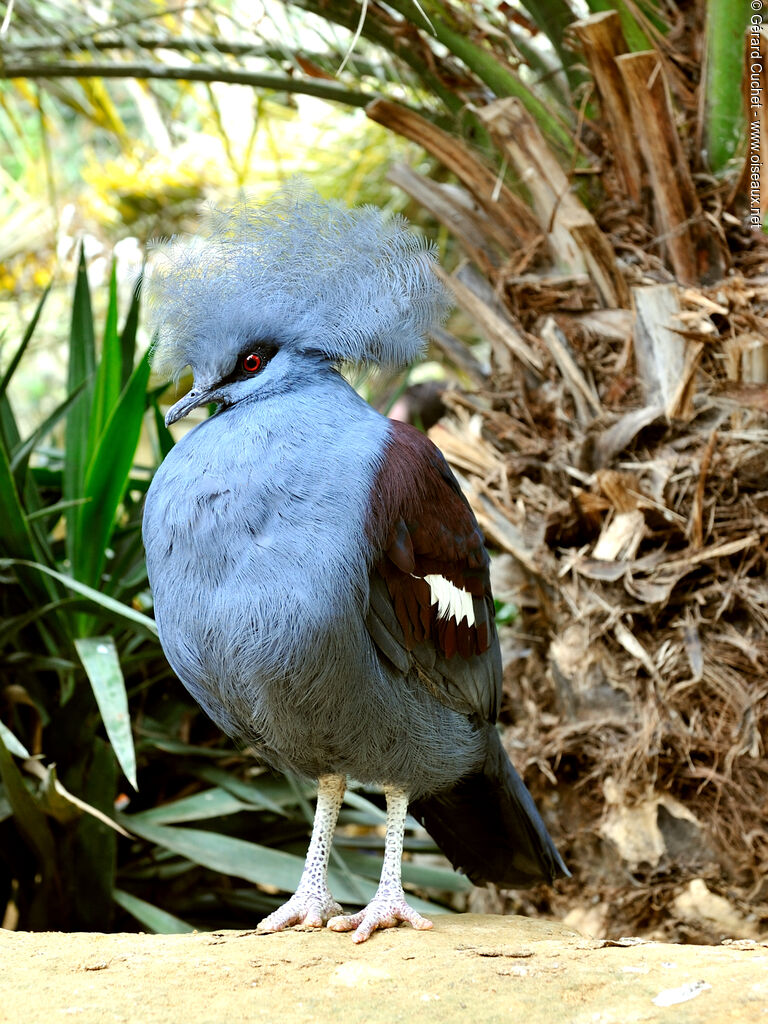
x=320, y=584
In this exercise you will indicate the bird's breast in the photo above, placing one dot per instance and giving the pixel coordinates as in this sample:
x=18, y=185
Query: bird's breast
x=256, y=547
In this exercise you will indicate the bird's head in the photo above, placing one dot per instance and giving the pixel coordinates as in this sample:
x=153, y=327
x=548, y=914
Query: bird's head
x=226, y=388
x=266, y=293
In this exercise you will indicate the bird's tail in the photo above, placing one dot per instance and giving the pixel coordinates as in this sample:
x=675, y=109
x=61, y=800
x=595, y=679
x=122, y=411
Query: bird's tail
x=488, y=826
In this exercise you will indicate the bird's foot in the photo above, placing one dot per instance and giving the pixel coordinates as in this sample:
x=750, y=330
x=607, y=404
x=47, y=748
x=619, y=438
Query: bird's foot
x=386, y=910
x=306, y=909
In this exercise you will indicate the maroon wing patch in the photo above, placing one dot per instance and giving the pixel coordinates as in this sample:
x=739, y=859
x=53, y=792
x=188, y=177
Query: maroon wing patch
x=430, y=551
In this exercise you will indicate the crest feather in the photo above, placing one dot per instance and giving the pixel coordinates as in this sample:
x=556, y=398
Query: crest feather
x=298, y=270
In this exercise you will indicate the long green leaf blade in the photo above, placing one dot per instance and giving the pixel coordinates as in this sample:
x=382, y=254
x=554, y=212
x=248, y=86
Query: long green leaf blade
x=11, y=626
x=12, y=743
x=17, y=355
x=107, y=382
x=23, y=452
x=258, y=864
x=31, y=821
x=15, y=538
x=116, y=608
x=724, y=105
x=153, y=918
x=56, y=509
x=9, y=431
x=164, y=436
x=108, y=475
x=82, y=360
x=211, y=803
x=102, y=666
x=128, y=336
x=272, y=793
x=10, y=438
x=426, y=876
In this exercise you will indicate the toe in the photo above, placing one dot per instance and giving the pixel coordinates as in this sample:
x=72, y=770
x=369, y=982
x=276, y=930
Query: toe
x=345, y=922
x=313, y=919
x=377, y=915
x=306, y=912
x=279, y=919
x=371, y=924
x=390, y=918
x=415, y=919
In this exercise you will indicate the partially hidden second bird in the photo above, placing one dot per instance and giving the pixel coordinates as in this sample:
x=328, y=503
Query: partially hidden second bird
x=320, y=584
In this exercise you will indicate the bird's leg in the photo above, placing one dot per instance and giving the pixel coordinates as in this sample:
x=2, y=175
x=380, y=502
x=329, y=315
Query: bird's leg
x=388, y=907
x=312, y=904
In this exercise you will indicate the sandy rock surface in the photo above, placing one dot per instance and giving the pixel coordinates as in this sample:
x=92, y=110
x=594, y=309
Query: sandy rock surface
x=470, y=967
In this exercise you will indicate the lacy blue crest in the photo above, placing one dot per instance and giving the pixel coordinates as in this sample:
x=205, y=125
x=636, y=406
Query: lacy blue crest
x=351, y=284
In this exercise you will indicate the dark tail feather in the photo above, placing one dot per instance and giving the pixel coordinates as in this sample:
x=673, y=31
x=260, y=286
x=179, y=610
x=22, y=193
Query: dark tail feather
x=488, y=826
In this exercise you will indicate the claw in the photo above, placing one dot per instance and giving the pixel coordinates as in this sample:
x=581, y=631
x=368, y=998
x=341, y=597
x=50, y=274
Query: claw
x=381, y=912
x=307, y=910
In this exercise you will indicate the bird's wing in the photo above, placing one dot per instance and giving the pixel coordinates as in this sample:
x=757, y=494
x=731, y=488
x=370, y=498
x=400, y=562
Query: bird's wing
x=431, y=608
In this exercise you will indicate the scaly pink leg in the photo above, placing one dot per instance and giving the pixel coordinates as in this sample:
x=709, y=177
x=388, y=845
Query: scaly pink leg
x=388, y=907
x=312, y=904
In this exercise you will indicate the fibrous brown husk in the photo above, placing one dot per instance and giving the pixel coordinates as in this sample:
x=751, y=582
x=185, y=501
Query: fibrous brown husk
x=616, y=458
x=638, y=559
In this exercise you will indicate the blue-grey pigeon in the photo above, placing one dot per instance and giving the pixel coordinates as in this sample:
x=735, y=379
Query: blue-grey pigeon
x=320, y=583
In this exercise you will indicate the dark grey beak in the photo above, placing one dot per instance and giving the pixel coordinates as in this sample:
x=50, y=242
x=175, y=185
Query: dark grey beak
x=194, y=398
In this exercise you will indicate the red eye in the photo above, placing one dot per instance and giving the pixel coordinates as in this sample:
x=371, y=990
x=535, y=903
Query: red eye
x=252, y=363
